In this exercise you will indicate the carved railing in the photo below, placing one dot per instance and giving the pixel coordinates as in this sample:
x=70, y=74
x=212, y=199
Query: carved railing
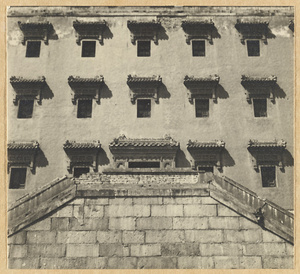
x=39, y=203
x=267, y=214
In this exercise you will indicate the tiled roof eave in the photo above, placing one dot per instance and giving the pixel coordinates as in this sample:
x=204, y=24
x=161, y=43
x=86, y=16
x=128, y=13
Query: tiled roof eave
x=80, y=80
x=23, y=146
x=71, y=145
x=253, y=144
x=209, y=79
x=21, y=80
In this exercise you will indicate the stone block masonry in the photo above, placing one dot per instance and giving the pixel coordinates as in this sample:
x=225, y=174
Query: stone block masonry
x=147, y=232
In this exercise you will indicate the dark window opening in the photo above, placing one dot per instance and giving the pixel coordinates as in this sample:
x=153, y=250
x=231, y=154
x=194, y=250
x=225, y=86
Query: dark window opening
x=17, y=178
x=260, y=107
x=143, y=108
x=253, y=48
x=205, y=169
x=143, y=48
x=25, y=109
x=88, y=49
x=268, y=176
x=84, y=109
x=33, y=49
x=78, y=171
x=144, y=164
x=198, y=48
x=202, y=107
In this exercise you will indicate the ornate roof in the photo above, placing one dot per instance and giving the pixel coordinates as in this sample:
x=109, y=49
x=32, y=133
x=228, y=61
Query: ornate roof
x=33, y=145
x=21, y=80
x=273, y=144
x=212, y=144
x=35, y=25
x=197, y=23
x=78, y=79
x=271, y=78
x=123, y=141
x=210, y=78
x=136, y=79
x=87, y=145
x=251, y=22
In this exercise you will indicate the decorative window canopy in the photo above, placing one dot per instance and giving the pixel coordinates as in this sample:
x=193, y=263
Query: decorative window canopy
x=291, y=25
x=28, y=88
x=144, y=30
x=267, y=153
x=82, y=154
x=259, y=86
x=206, y=154
x=89, y=30
x=202, y=85
x=127, y=150
x=143, y=87
x=252, y=29
x=88, y=88
x=22, y=154
x=36, y=31
x=198, y=30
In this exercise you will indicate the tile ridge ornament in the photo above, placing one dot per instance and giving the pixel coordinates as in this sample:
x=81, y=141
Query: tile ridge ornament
x=211, y=144
x=81, y=145
x=78, y=79
x=36, y=30
x=20, y=79
x=247, y=78
x=89, y=30
x=267, y=144
x=210, y=78
x=32, y=145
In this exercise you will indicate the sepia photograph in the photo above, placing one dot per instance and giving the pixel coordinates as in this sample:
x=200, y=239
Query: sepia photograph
x=150, y=137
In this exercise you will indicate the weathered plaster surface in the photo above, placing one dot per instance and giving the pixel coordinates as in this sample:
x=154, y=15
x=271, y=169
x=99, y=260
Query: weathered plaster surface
x=231, y=118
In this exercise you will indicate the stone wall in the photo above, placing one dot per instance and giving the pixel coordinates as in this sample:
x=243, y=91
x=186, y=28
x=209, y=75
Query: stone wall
x=147, y=232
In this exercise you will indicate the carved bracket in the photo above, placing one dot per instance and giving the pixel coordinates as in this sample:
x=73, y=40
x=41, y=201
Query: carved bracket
x=28, y=88
x=202, y=85
x=144, y=30
x=82, y=154
x=198, y=30
x=89, y=30
x=126, y=150
x=266, y=153
x=206, y=154
x=22, y=154
x=36, y=31
x=143, y=87
x=259, y=86
x=86, y=87
x=252, y=29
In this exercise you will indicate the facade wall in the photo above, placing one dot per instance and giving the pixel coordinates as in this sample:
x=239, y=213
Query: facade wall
x=153, y=232
x=231, y=118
